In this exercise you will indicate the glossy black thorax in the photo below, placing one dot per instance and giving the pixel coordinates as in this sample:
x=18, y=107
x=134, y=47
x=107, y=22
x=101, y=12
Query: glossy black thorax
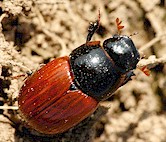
x=94, y=72
x=100, y=71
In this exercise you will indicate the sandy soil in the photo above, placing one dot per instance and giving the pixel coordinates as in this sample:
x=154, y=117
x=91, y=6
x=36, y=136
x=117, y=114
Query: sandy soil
x=36, y=31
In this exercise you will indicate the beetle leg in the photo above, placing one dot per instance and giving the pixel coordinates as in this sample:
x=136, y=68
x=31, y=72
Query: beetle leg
x=93, y=28
x=128, y=77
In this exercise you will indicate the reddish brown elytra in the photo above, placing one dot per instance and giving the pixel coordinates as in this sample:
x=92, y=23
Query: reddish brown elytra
x=48, y=102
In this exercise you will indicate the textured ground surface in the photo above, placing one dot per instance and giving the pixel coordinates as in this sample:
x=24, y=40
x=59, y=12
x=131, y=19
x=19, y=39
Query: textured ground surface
x=35, y=32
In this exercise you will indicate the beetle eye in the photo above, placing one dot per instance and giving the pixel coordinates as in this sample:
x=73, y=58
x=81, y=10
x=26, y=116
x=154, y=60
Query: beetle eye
x=122, y=51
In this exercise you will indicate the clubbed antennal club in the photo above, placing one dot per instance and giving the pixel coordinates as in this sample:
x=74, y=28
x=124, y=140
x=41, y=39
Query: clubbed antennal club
x=145, y=70
x=119, y=25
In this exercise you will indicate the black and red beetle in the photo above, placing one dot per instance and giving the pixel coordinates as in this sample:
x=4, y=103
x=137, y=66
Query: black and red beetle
x=68, y=89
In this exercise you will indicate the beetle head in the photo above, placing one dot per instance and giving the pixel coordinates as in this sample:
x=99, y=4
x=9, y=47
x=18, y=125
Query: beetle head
x=122, y=51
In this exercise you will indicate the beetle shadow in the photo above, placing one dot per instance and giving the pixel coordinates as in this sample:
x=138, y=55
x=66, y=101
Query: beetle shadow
x=16, y=30
x=84, y=131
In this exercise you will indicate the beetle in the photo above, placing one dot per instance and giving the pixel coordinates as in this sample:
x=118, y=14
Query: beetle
x=68, y=89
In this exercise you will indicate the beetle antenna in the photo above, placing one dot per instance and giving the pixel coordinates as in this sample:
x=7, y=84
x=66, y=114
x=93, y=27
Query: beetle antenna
x=145, y=70
x=119, y=26
x=93, y=28
x=133, y=34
